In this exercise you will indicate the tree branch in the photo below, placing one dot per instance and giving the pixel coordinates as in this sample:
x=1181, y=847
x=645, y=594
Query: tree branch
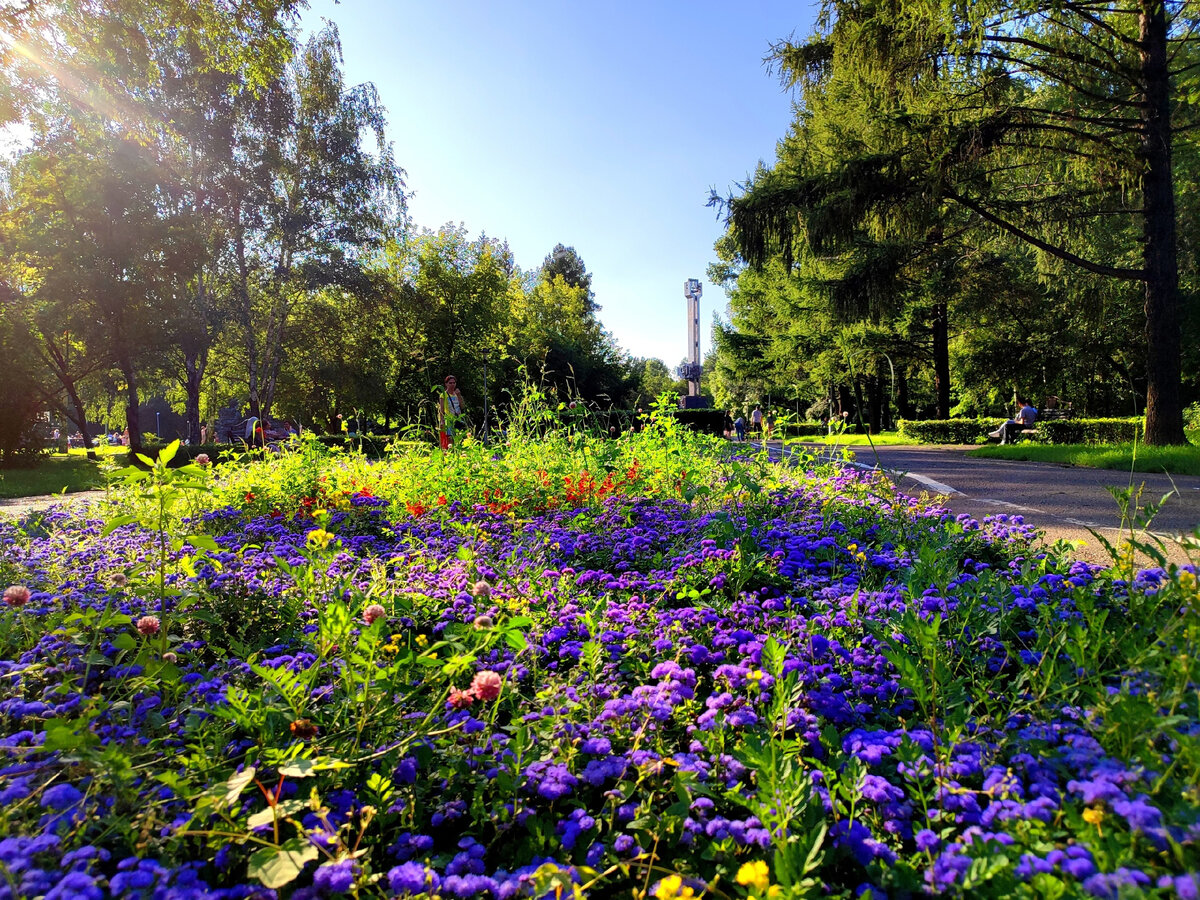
x=1060, y=252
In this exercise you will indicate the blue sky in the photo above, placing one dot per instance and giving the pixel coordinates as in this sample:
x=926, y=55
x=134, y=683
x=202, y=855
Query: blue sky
x=601, y=126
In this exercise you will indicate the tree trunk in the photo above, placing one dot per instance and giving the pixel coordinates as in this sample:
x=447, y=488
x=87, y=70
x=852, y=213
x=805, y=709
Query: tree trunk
x=132, y=417
x=57, y=363
x=902, y=401
x=874, y=403
x=941, y=358
x=193, y=365
x=859, y=406
x=844, y=401
x=245, y=313
x=80, y=417
x=1164, y=320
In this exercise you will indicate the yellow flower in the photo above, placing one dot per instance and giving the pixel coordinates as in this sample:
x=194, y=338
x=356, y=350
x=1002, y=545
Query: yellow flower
x=1187, y=581
x=755, y=875
x=673, y=888
x=319, y=539
x=422, y=640
x=1093, y=815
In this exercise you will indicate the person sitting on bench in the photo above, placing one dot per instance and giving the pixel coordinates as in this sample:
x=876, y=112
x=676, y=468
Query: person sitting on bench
x=1025, y=417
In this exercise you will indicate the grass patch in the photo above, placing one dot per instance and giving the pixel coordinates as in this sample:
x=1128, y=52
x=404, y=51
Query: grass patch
x=887, y=438
x=1124, y=457
x=72, y=472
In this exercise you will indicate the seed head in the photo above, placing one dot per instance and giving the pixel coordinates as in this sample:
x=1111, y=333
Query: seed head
x=373, y=613
x=481, y=589
x=148, y=625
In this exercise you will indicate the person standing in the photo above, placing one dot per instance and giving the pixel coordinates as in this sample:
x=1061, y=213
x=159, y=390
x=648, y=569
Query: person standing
x=451, y=407
x=739, y=427
x=756, y=420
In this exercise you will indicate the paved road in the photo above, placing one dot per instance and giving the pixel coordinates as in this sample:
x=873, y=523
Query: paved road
x=1065, y=501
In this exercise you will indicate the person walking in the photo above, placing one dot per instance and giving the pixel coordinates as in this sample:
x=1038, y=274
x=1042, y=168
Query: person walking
x=739, y=427
x=756, y=420
x=770, y=420
x=451, y=407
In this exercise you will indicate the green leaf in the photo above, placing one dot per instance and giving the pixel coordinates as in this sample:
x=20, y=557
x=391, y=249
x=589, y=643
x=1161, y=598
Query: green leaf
x=203, y=542
x=275, y=867
x=516, y=640
x=301, y=768
x=124, y=642
x=236, y=784
x=279, y=811
x=168, y=452
x=67, y=735
x=116, y=522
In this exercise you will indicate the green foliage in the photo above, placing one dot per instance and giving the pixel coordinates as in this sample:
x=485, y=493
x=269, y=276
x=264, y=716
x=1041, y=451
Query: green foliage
x=947, y=431
x=1090, y=431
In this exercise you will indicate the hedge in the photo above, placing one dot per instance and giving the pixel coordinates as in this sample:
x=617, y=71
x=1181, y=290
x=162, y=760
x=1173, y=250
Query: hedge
x=1090, y=431
x=948, y=431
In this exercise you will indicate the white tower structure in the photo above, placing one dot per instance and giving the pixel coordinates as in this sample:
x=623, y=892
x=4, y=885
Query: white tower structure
x=691, y=370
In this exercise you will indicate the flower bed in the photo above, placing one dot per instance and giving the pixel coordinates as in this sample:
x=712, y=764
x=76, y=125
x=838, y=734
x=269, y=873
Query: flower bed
x=735, y=681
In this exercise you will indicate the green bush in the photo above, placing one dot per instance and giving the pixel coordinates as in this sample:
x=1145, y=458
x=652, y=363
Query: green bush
x=1191, y=417
x=705, y=421
x=948, y=431
x=1090, y=431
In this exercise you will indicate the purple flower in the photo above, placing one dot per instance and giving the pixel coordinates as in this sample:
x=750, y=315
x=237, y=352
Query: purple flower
x=413, y=878
x=927, y=840
x=335, y=878
x=61, y=796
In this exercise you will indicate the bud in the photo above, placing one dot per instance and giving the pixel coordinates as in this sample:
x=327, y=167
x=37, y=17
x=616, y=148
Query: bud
x=481, y=589
x=305, y=729
x=16, y=596
x=118, y=579
x=171, y=657
x=483, y=623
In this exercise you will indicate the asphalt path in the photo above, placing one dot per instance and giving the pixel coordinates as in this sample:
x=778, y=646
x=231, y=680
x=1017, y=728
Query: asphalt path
x=1063, y=501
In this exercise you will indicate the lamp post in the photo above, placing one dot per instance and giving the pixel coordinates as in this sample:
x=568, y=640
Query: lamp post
x=485, y=397
x=158, y=425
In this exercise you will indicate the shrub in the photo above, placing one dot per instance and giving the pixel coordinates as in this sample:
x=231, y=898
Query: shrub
x=1090, y=431
x=705, y=421
x=1191, y=417
x=948, y=431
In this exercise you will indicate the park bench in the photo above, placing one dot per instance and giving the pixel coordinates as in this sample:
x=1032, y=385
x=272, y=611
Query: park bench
x=1011, y=433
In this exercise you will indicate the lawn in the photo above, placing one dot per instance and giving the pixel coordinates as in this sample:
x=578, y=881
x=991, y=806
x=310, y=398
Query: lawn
x=74, y=472
x=1125, y=457
x=647, y=667
x=887, y=438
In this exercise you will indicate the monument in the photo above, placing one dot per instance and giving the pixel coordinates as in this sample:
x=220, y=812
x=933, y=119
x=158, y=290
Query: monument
x=691, y=369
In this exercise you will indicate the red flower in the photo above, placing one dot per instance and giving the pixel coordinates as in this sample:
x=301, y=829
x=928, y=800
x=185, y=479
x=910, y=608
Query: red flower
x=442, y=500
x=249, y=496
